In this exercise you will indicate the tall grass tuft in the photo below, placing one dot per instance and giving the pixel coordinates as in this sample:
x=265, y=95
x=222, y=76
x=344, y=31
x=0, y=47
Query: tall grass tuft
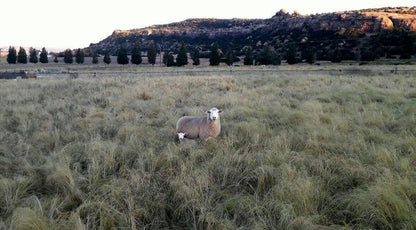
x=26, y=218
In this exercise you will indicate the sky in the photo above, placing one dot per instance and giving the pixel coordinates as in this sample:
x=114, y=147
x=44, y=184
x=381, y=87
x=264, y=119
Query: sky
x=77, y=23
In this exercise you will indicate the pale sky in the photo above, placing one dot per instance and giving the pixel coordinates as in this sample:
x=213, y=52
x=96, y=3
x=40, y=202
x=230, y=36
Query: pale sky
x=77, y=23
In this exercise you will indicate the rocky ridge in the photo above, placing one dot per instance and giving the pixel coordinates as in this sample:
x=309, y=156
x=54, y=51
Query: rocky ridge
x=239, y=32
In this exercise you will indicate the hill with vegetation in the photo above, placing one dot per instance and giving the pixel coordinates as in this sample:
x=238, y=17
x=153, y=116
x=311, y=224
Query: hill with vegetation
x=386, y=32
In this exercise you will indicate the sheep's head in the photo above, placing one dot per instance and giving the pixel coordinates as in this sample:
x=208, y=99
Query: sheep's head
x=213, y=114
x=181, y=136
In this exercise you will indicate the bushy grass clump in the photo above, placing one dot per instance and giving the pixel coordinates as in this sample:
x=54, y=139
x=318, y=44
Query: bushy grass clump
x=295, y=152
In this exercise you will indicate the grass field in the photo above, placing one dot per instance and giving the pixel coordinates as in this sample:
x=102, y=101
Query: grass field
x=298, y=150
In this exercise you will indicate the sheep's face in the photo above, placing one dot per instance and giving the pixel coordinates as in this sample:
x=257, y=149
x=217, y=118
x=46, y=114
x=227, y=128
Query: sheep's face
x=213, y=114
x=181, y=136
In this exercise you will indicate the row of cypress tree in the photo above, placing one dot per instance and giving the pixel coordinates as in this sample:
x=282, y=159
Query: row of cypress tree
x=136, y=55
x=263, y=55
x=266, y=57
x=79, y=57
x=21, y=57
x=181, y=58
x=168, y=58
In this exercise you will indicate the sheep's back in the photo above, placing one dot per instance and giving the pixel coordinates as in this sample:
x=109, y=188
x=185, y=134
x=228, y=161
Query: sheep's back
x=190, y=126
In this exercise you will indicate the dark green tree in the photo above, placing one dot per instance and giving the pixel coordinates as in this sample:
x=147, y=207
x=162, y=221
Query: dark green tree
x=22, y=56
x=94, y=58
x=268, y=56
x=366, y=55
x=291, y=55
x=229, y=58
x=79, y=56
x=182, y=58
x=68, y=57
x=195, y=57
x=377, y=47
x=308, y=54
x=276, y=59
x=336, y=55
x=33, y=55
x=136, y=55
x=12, y=56
x=405, y=55
x=408, y=47
x=214, y=56
x=151, y=53
x=165, y=58
x=248, y=59
x=107, y=58
x=43, y=58
x=122, y=57
x=170, y=60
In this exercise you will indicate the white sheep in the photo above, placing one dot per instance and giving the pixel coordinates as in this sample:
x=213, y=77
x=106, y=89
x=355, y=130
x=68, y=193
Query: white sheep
x=201, y=127
x=184, y=140
x=31, y=74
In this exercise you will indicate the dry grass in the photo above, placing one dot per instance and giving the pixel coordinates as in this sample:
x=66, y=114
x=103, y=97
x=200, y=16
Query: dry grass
x=297, y=151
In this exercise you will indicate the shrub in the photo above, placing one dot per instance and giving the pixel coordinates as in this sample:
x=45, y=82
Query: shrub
x=122, y=57
x=182, y=58
x=248, y=59
x=195, y=57
x=268, y=56
x=136, y=55
x=229, y=58
x=33, y=58
x=214, y=58
x=151, y=53
x=12, y=56
x=366, y=55
x=22, y=56
x=291, y=55
x=336, y=55
x=107, y=59
x=68, y=57
x=43, y=58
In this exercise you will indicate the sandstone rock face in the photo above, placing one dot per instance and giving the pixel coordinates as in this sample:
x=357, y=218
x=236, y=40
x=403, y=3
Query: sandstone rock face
x=369, y=22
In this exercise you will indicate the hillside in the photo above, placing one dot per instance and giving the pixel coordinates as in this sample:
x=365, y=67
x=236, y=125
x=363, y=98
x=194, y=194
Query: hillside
x=351, y=29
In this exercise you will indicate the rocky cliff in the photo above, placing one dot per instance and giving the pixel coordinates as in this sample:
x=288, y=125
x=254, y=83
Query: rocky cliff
x=367, y=21
x=237, y=33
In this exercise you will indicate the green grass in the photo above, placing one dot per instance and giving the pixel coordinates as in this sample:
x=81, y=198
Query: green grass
x=296, y=151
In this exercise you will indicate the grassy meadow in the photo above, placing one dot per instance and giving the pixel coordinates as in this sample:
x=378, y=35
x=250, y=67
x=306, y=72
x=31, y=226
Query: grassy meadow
x=296, y=151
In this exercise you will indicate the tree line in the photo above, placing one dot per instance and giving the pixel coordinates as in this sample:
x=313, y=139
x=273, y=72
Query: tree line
x=21, y=57
x=263, y=55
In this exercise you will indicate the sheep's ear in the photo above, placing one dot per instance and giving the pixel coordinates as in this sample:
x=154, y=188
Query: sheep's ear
x=219, y=111
x=208, y=112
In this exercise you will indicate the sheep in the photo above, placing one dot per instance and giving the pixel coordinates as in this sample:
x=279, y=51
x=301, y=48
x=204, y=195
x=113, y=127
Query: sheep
x=184, y=140
x=201, y=127
x=31, y=74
